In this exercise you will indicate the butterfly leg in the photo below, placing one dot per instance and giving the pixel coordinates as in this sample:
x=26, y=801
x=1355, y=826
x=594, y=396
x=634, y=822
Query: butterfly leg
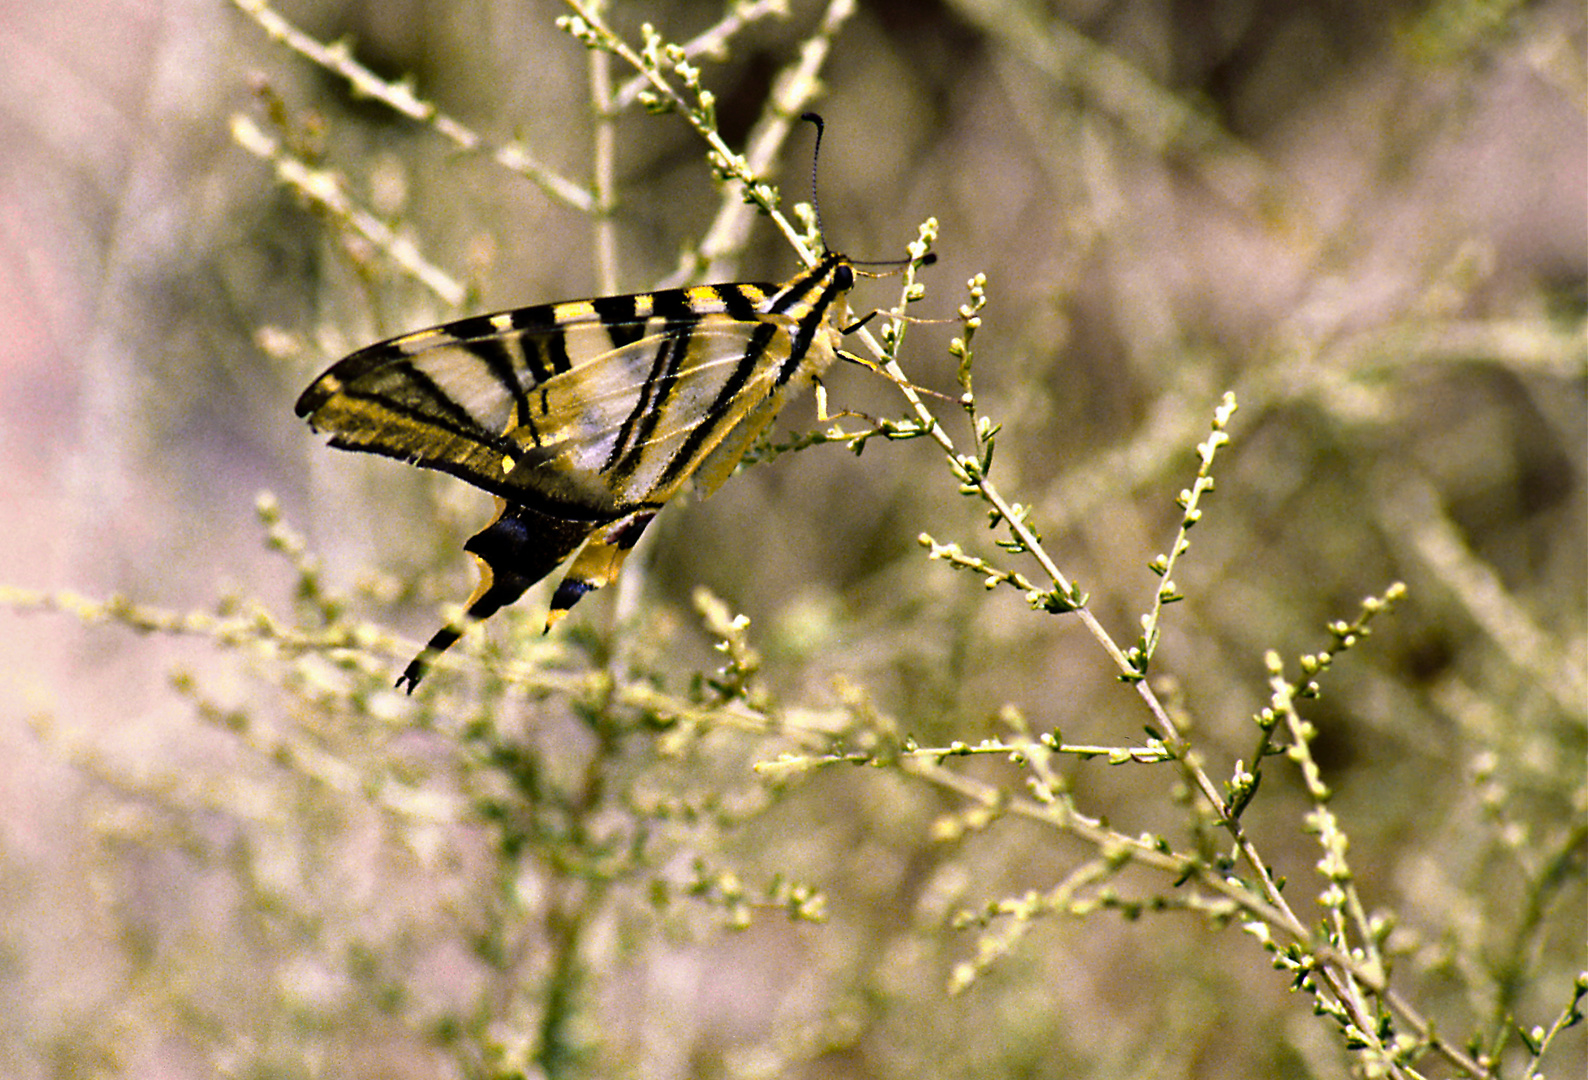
x=825, y=417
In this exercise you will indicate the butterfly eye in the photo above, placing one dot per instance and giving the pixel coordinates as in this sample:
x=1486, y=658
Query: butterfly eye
x=843, y=279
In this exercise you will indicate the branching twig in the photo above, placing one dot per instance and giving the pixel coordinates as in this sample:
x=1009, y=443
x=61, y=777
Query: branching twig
x=323, y=189
x=337, y=58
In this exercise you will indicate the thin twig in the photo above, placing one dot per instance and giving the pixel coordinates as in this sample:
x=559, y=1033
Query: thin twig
x=337, y=58
x=324, y=189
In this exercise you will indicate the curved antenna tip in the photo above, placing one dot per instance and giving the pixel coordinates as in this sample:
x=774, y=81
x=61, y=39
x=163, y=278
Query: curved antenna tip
x=816, y=206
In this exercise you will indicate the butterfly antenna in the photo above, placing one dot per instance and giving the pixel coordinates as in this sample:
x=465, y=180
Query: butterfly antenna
x=816, y=155
x=816, y=207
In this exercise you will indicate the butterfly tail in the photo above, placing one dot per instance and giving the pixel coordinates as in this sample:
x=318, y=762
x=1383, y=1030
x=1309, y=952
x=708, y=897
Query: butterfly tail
x=598, y=564
x=516, y=550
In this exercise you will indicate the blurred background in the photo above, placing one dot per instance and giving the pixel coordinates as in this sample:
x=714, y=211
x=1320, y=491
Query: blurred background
x=1369, y=220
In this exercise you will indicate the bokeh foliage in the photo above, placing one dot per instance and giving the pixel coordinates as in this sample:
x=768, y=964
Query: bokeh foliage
x=848, y=812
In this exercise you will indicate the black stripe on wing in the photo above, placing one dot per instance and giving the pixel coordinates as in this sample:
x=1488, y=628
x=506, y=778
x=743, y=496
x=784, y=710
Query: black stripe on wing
x=679, y=321
x=686, y=456
x=619, y=314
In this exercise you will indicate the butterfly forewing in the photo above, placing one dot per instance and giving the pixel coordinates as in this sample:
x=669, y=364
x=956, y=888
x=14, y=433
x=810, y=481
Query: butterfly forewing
x=584, y=417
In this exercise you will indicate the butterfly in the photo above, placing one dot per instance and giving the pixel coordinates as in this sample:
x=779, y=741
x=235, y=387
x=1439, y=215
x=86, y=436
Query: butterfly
x=584, y=418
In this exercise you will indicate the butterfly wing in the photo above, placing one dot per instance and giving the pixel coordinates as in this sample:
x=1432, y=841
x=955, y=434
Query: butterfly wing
x=567, y=406
x=582, y=417
x=471, y=397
